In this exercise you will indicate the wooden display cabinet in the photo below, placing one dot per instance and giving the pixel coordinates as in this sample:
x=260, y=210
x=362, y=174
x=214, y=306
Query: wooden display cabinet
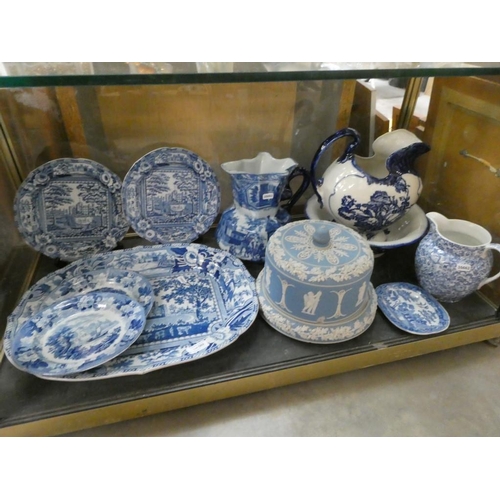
x=114, y=118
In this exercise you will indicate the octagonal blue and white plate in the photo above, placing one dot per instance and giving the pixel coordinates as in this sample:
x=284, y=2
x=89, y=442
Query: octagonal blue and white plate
x=136, y=286
x=77, y=334
x=412, y=309
x=204, y=300
x=171, y=195
x=70, y=208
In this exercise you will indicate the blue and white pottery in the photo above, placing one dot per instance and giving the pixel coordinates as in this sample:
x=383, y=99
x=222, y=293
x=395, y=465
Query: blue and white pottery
x=455, y=258
x=369, y=194
x=258, y=186
x=412, y=309
x=315, y=285
x=70, y=208
x=136, y=286
x=77, y=334
x=171, y=195
x=204, y=300
x=405, y=231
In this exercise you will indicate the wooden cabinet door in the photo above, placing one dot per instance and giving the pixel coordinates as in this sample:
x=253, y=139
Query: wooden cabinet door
x=463, y=130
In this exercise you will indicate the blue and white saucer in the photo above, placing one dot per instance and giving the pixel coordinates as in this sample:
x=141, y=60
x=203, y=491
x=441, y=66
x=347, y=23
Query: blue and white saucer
x=70, y=208
x=136, y=286
x=412, y=309
x=405, y=231
x=171, y=195
x=77, y=334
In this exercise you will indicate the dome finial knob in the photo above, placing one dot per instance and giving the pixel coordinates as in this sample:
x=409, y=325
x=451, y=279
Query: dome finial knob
x=321, y=236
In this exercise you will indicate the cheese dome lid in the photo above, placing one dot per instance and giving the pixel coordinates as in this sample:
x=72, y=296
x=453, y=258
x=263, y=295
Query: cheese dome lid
x=320, y=252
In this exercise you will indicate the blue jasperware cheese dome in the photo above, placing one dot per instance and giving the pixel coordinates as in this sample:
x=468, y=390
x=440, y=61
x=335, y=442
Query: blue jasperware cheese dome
x=315, y=285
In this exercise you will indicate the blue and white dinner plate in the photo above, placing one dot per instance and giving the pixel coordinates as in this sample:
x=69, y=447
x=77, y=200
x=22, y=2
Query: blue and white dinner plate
x=70, y=208
x=412, y=309
x=136, y=286
x=204, y=300
x=77, y=334
x=171, y=195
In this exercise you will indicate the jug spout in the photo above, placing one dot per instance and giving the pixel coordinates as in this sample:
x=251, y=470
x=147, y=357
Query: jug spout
x=437, y=220
x=401, y=162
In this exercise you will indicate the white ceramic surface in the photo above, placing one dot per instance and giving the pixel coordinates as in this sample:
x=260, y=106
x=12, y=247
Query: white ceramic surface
x=405, y=231
x=369, y=194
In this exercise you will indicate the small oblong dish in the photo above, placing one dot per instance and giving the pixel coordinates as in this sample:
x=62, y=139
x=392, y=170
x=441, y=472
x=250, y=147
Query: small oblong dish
x=136, y=286
x=77, y=334
x=412, y=309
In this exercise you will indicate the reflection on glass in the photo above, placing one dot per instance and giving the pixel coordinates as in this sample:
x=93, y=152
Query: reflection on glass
x=121, y=68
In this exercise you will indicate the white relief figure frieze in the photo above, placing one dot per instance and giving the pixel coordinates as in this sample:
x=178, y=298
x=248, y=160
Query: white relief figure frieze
x=311, y=301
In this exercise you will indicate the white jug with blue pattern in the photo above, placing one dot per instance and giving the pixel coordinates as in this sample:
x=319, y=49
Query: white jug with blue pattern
x=368, y=194
x=454, y=259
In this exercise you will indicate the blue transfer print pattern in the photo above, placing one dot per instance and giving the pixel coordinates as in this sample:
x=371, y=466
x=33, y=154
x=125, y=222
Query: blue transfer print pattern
x=183, y=324
x=133, y=284
x=171, y=195
x=450, y=271
x=70, y=208
x=412, y=309
x=247, y=237
x=77, y=334
x=381, y=210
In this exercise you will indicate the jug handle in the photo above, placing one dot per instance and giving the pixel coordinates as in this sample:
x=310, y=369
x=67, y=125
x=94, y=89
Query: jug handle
x=492, y=246
x=346, y=155
x=296, y=172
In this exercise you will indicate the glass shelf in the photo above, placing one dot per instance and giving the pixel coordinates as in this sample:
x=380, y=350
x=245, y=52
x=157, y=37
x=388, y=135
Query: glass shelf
x=40, y=74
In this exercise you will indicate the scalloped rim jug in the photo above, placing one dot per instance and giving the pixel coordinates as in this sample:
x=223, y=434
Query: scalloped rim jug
x=454, y=259
x=259, y=185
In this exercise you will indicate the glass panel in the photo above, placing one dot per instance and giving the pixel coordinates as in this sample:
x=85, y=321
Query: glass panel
x=14, y=74
x=117, y=124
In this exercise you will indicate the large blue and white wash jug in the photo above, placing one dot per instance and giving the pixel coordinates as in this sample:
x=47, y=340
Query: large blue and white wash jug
x=368, y=194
